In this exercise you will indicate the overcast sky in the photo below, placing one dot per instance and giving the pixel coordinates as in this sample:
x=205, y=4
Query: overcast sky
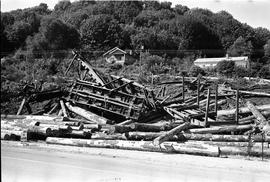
x=253, y=12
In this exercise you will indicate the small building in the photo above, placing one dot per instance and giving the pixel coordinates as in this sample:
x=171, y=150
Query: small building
x=115, y=55
x=212, y=62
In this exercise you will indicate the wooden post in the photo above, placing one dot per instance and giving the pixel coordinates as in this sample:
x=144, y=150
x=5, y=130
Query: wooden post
x=207, y=107
x=183, y=87
x=237, y=105
x=216, y=98
x=21, y=106
x=198, y=91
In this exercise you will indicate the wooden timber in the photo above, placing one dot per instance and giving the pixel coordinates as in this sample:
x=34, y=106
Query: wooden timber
x=86, y=114
x=242, y=110
x=171, y=147
x=167, y=135
x=221, y=129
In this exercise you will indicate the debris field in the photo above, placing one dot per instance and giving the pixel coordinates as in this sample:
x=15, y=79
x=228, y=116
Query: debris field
x=190, y=115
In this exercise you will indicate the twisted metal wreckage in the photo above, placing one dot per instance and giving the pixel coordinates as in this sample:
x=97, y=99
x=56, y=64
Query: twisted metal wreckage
x=99, y=110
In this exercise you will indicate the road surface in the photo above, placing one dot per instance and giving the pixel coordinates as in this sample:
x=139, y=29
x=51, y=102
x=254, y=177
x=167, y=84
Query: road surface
x=48, y=164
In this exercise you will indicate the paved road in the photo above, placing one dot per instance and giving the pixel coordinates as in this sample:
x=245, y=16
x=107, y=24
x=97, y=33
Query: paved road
x=33, y=164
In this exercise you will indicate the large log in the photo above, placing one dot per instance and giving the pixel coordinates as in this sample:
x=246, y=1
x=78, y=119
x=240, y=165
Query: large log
x=46, y=131
x=77, y=134
x=253, y=151
x=221, y=129
x=262, y=94
x=167, y=135
x=148, y=136
x=238, y=148
x=86, y=114
x=33, y=117
x=103, y=136
x=221, y=138
x=242, y=110
x=171, y=147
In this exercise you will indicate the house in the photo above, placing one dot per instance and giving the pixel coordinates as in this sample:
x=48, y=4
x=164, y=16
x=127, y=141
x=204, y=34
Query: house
x=212, y=62
x=115, y=55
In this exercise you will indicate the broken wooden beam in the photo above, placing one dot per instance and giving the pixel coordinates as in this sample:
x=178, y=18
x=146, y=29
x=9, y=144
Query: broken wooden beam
x=167, y=135
x=256, y=113
x=86, y=114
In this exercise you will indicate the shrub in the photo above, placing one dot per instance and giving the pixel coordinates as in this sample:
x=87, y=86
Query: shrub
x=225, y=68
x=195, y=71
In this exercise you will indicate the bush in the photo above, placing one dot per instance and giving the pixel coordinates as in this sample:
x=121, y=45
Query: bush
x=240, y=71
x=116, y=66
x=226, y=68
x=264, y=72
x=195, y=71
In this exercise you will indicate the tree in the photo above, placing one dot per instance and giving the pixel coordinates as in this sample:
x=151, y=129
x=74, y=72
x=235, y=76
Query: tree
x=18, y=33
x=180, y=10
x=193, y=34
x=240, y=47
x=54, y=35
x=225, y=68
x=101, y=32
x=267, y=49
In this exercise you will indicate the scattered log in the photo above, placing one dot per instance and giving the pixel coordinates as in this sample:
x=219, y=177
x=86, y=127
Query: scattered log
x=33, y=117
x=221, y=129
x=119, y=128
x=149, y=136
x=167, y=135
x=87, y=114
x=103, y=136
x=92, y=126
x=245, y=151
x=46, y=131
x=262, y=94
x=169, y=147
x=221, y=138
x=146, y=136
x=78, y=134
x=242, y=110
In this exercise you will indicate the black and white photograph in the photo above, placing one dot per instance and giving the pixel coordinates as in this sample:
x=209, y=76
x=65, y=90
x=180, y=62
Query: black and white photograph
x=135, y=90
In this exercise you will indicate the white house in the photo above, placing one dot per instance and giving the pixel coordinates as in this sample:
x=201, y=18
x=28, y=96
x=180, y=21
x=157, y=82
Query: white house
x=115, y=55
x=212, y=62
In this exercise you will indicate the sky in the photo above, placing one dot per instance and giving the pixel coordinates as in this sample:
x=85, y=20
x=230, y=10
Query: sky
x=255, y=13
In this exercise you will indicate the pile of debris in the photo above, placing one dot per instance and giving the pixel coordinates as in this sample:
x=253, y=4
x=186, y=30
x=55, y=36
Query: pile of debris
x=109, y=111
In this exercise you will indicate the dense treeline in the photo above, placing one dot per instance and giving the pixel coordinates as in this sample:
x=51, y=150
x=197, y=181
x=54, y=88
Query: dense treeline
x=176, y=34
